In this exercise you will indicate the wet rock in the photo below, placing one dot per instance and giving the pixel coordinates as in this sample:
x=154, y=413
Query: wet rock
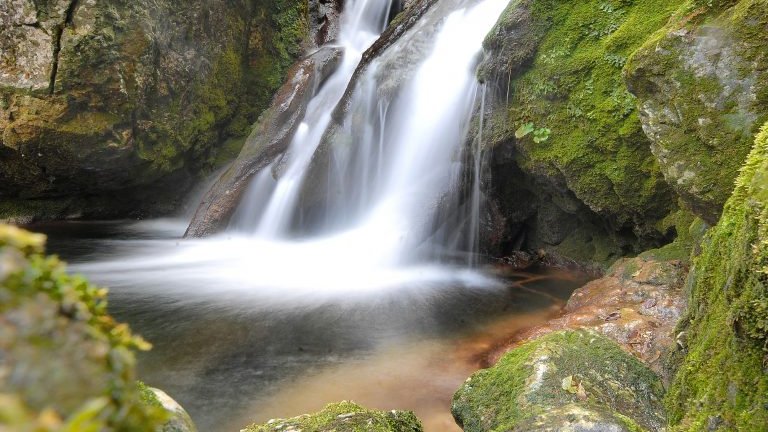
x=702, y=89
x=324, y=20
x=565, y=381
x=270, y=138
x=637, y=304
x=344, y=417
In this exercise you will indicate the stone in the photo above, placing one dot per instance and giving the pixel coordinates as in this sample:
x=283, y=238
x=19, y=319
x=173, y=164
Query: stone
x=569, y=380
x=702, y=89
x=270, y=138
x=344, y=417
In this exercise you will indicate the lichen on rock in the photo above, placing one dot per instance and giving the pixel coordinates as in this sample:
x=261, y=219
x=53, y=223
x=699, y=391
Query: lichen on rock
x=106, y=98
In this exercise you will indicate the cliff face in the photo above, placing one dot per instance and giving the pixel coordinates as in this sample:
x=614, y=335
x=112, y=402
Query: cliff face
x=111, y=108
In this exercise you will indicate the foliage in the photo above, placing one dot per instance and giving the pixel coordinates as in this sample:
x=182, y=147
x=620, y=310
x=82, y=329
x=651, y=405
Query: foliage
x=69, y=366
x=539, y=134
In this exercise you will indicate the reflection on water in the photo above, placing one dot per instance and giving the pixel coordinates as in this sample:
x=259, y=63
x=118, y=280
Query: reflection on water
x=233, y=357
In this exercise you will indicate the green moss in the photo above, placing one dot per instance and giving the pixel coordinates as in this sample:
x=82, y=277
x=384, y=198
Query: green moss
x=69, y=366
x=689, y=231
x=726, y=328
x=707, y=63
x=148, y=397
x=345, y=417
x=575, y=88
x=528, y=386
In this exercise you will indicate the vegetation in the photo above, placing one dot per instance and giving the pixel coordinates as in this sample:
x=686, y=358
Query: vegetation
x=726, y=329
x=345, y=417
x=571, y=374
x=68, y=366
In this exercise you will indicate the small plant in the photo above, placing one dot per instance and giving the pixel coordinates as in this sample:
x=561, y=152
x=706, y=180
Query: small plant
x=539, y=134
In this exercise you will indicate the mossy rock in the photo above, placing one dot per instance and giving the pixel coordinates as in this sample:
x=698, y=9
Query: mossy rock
x=569, y=380
x=561, y=69
x=726, y=329
x=137, y=94
x=702, y=88
x=67, y=366
x=344, y=417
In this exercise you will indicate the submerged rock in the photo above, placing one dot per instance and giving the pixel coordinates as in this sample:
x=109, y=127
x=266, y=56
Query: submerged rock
x=565, y=381
x=702, y=88
x=344, y=417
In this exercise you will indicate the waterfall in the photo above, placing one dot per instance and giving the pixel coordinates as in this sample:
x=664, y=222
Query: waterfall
x=361, y=25
x=394, y=188
x=399, y=159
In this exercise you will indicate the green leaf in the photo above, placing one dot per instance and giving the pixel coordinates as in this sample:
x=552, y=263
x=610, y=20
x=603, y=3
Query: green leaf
x=524, y=130
x=541, y=135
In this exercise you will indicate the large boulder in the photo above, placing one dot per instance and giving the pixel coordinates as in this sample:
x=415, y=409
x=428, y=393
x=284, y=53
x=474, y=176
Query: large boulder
x=112, y=108
x=702, y=88
x=571, y=169
x=344, y=417
x=565, y=381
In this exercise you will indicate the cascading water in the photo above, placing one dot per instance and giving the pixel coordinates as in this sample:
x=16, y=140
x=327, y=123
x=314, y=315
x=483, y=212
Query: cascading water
x=360, y=27
x=394, y=172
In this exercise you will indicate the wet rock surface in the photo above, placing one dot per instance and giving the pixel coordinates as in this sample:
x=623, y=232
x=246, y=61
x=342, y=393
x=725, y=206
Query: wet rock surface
x=270, y=138
x=114, y=108
x=565, y=381
x=637, y=303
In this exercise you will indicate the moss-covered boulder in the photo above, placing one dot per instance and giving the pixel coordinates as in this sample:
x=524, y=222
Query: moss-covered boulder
x=726, y=330
x=344, y=417
x=567, y=141
x=177, y=418
x=564, y=381
x=101, y=99
x=65, y=365
x=702, y=88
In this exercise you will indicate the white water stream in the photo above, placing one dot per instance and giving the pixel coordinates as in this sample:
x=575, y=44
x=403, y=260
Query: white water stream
x=389, y=189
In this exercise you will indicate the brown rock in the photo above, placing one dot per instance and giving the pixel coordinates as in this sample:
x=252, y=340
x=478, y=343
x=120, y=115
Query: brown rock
x=637, y=304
